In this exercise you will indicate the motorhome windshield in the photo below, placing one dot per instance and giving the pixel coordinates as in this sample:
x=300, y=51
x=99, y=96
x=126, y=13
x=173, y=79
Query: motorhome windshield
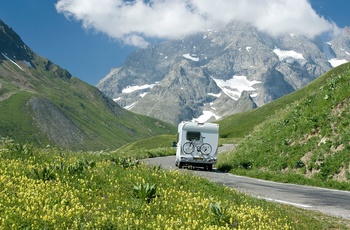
x=193, y=136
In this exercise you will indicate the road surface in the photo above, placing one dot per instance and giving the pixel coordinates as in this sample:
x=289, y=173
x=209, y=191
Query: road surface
x=327, y=201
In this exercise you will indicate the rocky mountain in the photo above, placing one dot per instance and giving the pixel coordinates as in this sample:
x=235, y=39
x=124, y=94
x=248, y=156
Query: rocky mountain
x=44, y=104
x=220, y=72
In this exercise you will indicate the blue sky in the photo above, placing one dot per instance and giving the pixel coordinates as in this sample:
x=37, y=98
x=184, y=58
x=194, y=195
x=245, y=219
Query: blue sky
x=97, y=37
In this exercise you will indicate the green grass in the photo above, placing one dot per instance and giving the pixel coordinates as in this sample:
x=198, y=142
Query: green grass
x=51, y=188
x=15, y=122
x=304, y=141
x=6, y=87
x=150, y=147
x=100, y=122
x=242, y=124
x=161, y=141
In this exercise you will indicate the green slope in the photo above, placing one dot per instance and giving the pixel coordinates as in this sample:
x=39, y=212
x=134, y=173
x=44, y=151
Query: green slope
x=240, y=125
x=303, y=137
x=43, y=104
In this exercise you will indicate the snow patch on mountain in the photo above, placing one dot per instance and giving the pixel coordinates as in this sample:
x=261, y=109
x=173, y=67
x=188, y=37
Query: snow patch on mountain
x=347, y=53
x=191, y=57
x=143, y=94
x=235, y=86
x=12, y=61
x=206, y=116
x=128, y=107
x=214, y=95
x=337, y=62
x=130, y=89
x=284, y=54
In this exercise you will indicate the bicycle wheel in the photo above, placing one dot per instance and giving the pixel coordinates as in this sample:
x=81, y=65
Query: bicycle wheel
x=188, y=147
x=206, y=149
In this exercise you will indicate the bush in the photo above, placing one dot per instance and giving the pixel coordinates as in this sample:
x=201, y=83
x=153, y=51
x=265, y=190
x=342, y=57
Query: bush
x=145, y=191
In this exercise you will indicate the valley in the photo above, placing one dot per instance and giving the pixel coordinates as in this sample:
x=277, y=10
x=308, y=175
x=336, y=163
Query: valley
x=282, y=106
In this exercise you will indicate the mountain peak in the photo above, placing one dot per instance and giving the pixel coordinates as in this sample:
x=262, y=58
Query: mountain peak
x=224, y=64
x=11, y=45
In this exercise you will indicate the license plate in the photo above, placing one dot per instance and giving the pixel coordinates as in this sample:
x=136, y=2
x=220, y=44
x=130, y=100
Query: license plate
x=198, y=159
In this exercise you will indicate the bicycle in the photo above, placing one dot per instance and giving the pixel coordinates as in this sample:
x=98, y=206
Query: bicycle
x=201, y=147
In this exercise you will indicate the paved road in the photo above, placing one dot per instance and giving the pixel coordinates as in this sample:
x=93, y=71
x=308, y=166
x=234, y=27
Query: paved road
x=327, y=201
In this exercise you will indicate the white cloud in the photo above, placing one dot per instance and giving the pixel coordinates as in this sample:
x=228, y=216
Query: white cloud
x=134, y=21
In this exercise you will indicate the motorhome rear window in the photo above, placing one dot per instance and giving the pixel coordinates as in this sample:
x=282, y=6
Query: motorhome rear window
x=193, y=136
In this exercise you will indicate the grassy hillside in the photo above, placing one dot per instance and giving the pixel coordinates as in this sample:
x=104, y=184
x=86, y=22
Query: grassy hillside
x=161, y=141
x=302, y=138
x=67, y=112
x=149, y=147
x=43, y=104
x=50, y=188
x=239, y=125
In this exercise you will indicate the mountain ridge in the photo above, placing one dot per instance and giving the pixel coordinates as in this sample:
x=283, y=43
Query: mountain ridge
x=237, y=57
x=44, y=104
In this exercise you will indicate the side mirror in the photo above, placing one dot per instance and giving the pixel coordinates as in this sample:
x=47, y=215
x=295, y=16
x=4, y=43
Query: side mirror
x=174, y=144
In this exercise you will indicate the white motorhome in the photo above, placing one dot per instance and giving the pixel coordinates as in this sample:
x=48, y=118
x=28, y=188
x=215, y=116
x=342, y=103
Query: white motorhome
x=197, y=144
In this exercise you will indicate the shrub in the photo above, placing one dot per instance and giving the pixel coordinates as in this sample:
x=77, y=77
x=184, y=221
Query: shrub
x=299, y=164
x=81, y=166
x=145, y=191
x=221, y=218
x=45, y=174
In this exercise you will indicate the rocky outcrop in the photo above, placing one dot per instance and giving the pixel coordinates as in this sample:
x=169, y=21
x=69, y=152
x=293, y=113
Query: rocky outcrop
x=54, y=124
x=210, y=72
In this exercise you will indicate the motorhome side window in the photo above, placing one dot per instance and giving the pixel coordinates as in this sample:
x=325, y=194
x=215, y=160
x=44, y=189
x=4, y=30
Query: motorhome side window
x=193, y=136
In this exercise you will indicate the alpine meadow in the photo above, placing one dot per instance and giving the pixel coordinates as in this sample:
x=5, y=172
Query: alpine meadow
x=72, y=155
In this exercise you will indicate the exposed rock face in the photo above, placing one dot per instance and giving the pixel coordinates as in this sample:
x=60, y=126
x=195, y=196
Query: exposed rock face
x=53, y=123
x=219, y=72
x=341, y=45
x=182, y=92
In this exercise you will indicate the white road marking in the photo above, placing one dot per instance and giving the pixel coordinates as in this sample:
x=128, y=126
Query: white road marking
x=286, y=202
